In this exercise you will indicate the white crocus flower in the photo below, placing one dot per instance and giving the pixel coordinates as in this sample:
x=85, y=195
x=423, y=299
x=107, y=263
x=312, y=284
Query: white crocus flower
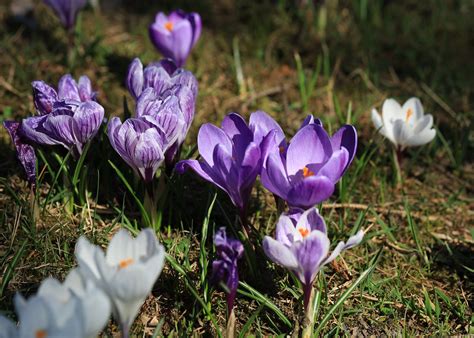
x=126, y=272
x=38, y=319
x=94, y=303
x=405, y=126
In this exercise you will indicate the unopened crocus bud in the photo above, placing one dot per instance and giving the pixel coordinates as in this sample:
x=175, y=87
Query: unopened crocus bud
x=224, y=268
x=66, y=10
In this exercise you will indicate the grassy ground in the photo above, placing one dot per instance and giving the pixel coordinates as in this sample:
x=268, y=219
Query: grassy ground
x=263, y=56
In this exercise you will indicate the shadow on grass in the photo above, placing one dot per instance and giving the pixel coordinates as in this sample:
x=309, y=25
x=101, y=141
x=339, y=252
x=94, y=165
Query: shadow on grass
x=457, y=258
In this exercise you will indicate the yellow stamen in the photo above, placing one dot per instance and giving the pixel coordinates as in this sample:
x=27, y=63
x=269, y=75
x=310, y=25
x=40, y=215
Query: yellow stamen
x=41, y=334
x=304, y=232
x=409, y=114
x=125, y=262
x=307, y=172
x=169, y=26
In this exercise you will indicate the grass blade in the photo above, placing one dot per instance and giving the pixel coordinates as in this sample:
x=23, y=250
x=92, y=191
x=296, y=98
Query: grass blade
x=178, y=268
x=130, y=190
x=9, y=273
x=347, y=293
x=260, y=298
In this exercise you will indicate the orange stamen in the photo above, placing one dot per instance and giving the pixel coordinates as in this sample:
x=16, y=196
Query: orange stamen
x=169, y=26
x=125, y=262
x=409, y=114
x=304, y=232
x=307, y=172
x=41, y=334
x=282, y=149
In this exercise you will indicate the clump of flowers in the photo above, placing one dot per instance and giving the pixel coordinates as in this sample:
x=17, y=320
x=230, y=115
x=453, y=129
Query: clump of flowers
x=69, y=117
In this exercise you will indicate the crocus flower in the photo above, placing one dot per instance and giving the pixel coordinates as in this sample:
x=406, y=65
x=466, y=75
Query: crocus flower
x=142, y=142
x=304, y=173
x=71, y=124
x=67, y=117
x=38, y=319
x=224, y=268
x=127, y=272
x=45, y=96
x=66, y=10
x=302, y=246
x=232, y=157
x=405, y=126
x=94, y=303
x=176, y=34
x=160, y=75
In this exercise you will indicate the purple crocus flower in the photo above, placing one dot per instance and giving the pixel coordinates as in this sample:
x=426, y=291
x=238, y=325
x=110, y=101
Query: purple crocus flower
x=232, y=157
x=224, y=268
x=178, y=102
x=25, y=152
x=142, y=142
x=176, y=34
x=66, y=10
x=305, y=172
x=160, y=75
x=70, y=124
x=45, y=96
x=67, y=117
x=301, y=245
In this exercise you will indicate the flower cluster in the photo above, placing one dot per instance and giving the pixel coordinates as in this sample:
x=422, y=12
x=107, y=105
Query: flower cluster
x=165, y=99
x=300, y=172
x=303, y=172
x=117, y=282
x=69, y=117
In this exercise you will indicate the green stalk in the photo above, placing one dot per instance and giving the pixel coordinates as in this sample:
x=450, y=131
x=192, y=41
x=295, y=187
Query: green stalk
x=308, y=320
x=397, y=161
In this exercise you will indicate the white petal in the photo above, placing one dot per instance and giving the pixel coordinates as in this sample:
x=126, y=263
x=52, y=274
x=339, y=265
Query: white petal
x=95, y=303
x=85, y=252
x=128, y=290
x=285, y=231
x=426, y=122
x=401, y=133
x=8, y=329
x=385, y=130
x=416, y=107
x=424, y=137
x=96, y=308
x=391, y=111
x=341, y=246
x=279, y=253
x=376, y=119
x=75, y=282
x=121, y=247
